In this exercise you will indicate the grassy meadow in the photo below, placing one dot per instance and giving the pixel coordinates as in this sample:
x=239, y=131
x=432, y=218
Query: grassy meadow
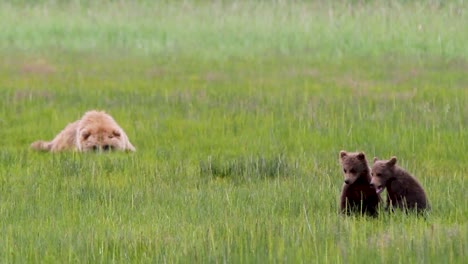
x=238, y=110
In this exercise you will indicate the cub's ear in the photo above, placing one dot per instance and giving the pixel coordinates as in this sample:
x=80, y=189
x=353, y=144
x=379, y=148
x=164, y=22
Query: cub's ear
x=361, y=156
x=116, y=133
x=343, y=154
x=392, y=161
x=375, y=159
x=85, y=134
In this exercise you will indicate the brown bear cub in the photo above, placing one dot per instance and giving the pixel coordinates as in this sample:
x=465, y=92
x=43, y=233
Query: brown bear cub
x=95, y=131
x=357, y=195
x=403, y=190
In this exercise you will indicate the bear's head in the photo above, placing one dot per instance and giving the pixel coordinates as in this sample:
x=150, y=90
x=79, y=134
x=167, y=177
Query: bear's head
x=100, y=139
x=98, y=131
x=354, y=165
x=382, y=172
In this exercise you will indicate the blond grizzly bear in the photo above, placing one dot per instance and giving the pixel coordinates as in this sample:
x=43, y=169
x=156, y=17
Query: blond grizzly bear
x=95, y=131
x=403, y=190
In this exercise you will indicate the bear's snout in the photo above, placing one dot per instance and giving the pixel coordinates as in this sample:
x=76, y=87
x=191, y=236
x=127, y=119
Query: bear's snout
x=378, y=189
x=104, y=148
x=347, y=181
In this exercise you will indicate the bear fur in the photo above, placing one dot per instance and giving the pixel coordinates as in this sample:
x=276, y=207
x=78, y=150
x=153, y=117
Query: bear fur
x=403, y=190
x=357, y=196
x=95, y=131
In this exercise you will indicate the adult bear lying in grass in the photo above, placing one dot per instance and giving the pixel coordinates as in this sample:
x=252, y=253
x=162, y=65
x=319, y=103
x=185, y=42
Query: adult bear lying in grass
x=95, y=131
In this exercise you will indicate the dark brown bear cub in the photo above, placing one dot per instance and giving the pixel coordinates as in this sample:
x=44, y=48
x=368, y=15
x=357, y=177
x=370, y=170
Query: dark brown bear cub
x=357, y=195
x=403, y=190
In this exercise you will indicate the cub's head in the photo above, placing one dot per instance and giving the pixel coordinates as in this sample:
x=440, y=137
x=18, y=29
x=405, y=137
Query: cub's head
x=100, y=139
x=354, y=165
x=382, y=171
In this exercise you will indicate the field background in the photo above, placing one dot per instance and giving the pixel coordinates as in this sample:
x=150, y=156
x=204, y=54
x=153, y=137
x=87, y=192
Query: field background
x=238, y=110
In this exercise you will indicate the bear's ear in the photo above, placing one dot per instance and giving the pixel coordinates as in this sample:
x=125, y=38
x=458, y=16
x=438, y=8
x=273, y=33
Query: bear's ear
x=361, y=156
x=116, y=133
x=392, y=161
x=375, y=159
x=85, y=134
x=343, y=154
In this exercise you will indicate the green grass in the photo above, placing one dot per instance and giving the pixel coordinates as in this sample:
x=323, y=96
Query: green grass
x=238, y=111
